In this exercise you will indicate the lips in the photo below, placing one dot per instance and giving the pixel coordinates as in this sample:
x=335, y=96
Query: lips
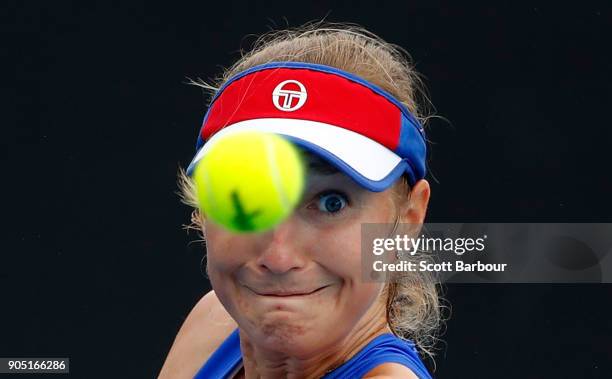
x=287, y=292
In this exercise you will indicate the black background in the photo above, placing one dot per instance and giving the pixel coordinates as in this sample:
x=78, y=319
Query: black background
x=97, y=267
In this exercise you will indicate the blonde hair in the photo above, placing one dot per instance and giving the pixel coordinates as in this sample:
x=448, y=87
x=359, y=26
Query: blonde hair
x=413, y=304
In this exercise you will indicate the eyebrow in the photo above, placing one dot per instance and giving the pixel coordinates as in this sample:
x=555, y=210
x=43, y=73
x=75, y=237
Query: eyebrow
x=317, y=165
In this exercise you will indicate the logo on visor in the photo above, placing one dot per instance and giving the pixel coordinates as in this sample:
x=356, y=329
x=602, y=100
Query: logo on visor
x=289, y=96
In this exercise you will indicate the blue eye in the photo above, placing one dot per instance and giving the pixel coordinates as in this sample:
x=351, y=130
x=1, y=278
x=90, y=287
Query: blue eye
x=332, y=202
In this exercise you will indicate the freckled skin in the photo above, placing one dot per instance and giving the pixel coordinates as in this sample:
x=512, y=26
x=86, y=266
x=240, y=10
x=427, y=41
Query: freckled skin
x=312, y=250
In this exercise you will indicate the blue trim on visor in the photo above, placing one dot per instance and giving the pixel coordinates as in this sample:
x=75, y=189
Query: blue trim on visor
x=200, y=141
x=191, y=166
x=412, y=149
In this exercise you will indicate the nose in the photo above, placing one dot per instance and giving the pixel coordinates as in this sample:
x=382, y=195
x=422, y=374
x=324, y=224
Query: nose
x=281, y=252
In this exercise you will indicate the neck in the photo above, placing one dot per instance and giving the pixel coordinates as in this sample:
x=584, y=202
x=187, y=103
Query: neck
x=265, y=364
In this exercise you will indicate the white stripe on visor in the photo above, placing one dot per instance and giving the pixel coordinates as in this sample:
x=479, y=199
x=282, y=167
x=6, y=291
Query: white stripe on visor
x=369, y=158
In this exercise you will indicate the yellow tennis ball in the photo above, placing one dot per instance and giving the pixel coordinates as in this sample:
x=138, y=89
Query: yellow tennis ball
x=249, y=181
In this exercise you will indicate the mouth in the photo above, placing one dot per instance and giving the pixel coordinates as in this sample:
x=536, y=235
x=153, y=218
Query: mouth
x=288, y=293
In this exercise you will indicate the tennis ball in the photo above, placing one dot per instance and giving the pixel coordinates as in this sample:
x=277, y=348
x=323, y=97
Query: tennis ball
x=249, y=181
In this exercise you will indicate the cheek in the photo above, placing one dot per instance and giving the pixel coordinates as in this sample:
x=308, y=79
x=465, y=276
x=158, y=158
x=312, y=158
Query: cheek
x=341, y=250
x=340, y=254
x=225, y=253
x=339, y=247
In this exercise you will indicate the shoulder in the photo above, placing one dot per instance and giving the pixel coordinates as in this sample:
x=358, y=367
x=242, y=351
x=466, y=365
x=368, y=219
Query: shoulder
x=205, y=328
x=390, y=371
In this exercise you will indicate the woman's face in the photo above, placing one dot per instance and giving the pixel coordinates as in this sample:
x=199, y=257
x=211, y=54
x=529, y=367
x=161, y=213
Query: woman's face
x=299, y=288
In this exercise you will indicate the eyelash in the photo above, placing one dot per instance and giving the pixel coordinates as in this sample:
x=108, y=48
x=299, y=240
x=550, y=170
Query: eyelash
x=331, y=192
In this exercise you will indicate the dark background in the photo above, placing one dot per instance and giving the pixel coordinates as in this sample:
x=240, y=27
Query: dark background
x=97, y=267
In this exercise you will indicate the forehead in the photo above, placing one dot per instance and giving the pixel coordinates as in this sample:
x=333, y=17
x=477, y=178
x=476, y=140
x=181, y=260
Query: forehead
x=317, y=165
x=321, y=174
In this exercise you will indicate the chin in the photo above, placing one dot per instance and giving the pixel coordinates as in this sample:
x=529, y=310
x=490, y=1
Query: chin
x=290, y=338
